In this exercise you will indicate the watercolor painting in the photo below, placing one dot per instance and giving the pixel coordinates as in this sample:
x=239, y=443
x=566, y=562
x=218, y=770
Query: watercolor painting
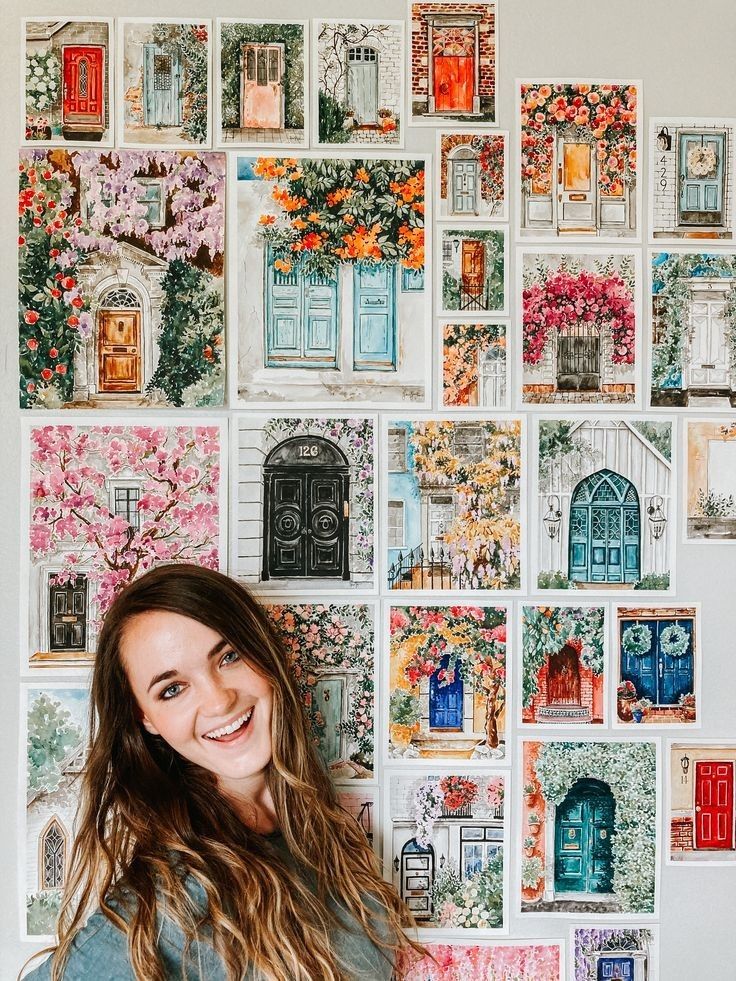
x=710, y=480
x=362, y=803
x=605, y=508
x=563, y=660
x=515, y=960
x=333, y=302
x=331, y=652
x=105, y=503
x=305, y=494
x=358, y=68
x=691, y=177
x=579, y=145
x=164, y=82
x=701, y=802
x=262, y=76
x=453, y=499
x=445, y=847
x=68, y=67
x=579, y=316
x=120, y=279
x=473, y=175
x=475, y=365
x=474, y=270
x=693, y=329
x=589, y=827
x=658, y=657
x=453, y=59
x=621, y=952
x=56, y=728
x=447, y=682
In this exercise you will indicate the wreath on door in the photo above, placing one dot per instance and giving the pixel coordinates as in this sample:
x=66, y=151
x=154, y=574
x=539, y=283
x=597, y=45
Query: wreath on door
x=701, y=161
x=674, y=640
x=637, y=639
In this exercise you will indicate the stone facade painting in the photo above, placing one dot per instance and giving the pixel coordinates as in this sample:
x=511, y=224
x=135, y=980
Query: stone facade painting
x=472, y=181
x=475, y=365
x=701, y=802
x=710, y=480
x=625, y=952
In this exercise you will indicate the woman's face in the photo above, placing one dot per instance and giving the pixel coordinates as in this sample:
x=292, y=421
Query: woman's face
x=197, y=694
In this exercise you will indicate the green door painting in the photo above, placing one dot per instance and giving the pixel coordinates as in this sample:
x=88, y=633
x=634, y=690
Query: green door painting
x=584, y=828
x=301, y=318
x=328, y=697
x=374, y=317
x=605, y=530
x=701, y=173
x=162, y=86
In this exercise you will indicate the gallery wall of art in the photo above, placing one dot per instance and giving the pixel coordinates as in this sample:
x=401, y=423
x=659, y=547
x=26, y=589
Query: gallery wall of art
x=420, y=321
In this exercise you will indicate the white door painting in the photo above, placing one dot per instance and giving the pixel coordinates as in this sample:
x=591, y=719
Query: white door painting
x=363, y=84
x=709, y=362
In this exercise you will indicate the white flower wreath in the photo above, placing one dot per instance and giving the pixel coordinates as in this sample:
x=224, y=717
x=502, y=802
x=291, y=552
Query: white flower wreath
x=674, y=640
x=637, y=639
x=701, y=161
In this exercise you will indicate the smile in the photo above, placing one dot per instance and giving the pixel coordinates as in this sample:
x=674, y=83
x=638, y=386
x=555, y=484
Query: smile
x=228, y=733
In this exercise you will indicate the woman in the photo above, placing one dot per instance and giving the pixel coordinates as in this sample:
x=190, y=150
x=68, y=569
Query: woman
x=209, y=834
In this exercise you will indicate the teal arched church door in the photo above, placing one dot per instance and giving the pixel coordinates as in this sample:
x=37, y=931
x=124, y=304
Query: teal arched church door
x=605, y=530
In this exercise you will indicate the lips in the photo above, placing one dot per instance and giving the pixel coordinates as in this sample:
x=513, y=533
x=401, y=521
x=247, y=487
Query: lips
x=232, y=731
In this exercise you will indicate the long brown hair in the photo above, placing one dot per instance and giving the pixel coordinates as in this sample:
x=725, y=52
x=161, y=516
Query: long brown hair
x=147, y=815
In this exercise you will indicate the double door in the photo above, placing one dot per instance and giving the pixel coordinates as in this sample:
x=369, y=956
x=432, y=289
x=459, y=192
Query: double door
x=584, y=827
x=657, y=675
x=604, y=543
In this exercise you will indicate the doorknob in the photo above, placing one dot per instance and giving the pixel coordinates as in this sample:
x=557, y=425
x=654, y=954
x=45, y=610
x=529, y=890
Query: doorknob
x=697, y=809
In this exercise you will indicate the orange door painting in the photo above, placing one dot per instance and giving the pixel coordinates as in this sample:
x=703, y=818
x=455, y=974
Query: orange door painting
x=119, y=351
x=473, y=266
x=453, y=64
x=262, y=97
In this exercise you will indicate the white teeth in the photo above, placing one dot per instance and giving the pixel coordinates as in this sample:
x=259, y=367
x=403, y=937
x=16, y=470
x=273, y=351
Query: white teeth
x=226, y=730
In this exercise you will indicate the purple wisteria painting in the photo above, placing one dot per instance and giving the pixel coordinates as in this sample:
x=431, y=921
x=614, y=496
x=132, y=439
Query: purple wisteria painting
x=620, y=952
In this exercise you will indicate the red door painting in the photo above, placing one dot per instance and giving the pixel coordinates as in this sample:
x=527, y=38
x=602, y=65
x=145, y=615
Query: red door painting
x=83, y=106
x=453, y=63
x=714, y=805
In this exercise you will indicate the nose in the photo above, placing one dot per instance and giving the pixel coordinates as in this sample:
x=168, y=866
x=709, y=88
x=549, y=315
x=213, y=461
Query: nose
x=216, y=698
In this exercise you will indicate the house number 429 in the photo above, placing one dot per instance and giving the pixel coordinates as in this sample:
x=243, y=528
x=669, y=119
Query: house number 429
x=309, y=449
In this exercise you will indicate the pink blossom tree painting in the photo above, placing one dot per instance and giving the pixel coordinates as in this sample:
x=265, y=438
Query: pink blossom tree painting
x=516, y=961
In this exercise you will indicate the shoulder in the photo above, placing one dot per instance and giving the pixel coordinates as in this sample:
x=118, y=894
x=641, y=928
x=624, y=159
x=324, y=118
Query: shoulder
x=98, y=950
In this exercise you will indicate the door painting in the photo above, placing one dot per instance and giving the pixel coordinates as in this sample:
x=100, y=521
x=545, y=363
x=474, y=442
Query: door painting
x=119, y=351
x=576, y=185
x=328, y=701
x=579, y=358
x=417, y=874
x=453, y=63
x=473, y=267
x=261, y=91
x=445, y=701
x=306, y=510
x=302, y=314
x=363, y=84
x=701, y=178
x=68, y=614
x=441, y=515
x=374, y=316
x=659, y=676
x=605, y=530
x=615, y=968
x=464, y=170
x=584, y=827
x=83, y=104
x=563, y=677
x=162, y=86
x=714, y=805
x=709, y=354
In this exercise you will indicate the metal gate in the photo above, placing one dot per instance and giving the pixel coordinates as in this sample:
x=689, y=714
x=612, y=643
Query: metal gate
x=579, y=358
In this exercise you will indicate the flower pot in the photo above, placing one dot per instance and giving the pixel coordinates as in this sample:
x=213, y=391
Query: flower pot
x=534, y=829
x=529, y=799
x=637, y=715
x=401, y=735
x=688, y=714
x=624, y=709
x=529, y=852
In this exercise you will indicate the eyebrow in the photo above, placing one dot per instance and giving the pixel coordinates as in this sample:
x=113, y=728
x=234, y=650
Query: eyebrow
x=172, y=672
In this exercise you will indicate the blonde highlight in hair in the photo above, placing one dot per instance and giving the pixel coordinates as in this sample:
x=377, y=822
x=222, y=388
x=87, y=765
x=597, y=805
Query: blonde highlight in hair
x=149, y=818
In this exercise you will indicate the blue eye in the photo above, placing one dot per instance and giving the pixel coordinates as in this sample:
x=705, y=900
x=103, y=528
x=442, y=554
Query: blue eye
x=229, y=658
x=169, y=693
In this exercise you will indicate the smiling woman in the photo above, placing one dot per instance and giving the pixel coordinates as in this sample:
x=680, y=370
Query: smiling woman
x=209, y=832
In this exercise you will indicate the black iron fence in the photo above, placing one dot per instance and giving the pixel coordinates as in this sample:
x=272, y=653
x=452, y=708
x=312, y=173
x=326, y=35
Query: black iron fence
x=433, y=570
x=475, y=299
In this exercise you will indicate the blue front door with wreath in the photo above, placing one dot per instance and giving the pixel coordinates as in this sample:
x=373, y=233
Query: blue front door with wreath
x=445, y=701
x=702, y=158
x=605, y=530
x=658, y=659
x=584, y=827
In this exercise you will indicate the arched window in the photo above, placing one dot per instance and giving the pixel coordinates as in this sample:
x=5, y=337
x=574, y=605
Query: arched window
x=53, y=856
x=120, y=298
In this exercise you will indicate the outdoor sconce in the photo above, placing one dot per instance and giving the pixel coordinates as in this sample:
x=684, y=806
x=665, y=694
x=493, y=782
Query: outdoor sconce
x=396, y=863
x=552, y=518
x=457, y=245
x=657, y=517
x=442, y=861
x=664, y=140
x=685, y=766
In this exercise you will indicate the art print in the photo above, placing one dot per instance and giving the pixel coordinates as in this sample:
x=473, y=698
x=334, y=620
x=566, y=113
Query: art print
x=615, y=952
x=528, y=960
x=305, y=493
x=475, y=365
x=447, y=682
x=658, y=658
x=693, y=296
x=66, y=82
x=700, y=819
x=333, y=303
x=262, y=75
x=474, y=265
x=589, y=828
x=164, y=82
x=579, y=312
x=453, y=504
x=445, y=838
x=579, y=143
x=605, y=504
x=120, y=278
x=359, y=76
x=362, y=803
x=691, y=178
x=473, y=175
x=331, y=652
x=56, y=726
x=453, y=62
x=563, y=656
x=710, y=480
x=105, y=503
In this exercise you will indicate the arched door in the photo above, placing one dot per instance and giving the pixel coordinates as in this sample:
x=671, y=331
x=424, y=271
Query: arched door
x=445, y=701
x=417, y=873
x=563, y=677
x=584, y=828
x=119, y=352
x=306, y=510
x=363, y=84
x=605, y=530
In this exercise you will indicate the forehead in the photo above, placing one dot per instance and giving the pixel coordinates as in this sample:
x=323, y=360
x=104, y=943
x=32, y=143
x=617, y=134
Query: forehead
x=160, y=636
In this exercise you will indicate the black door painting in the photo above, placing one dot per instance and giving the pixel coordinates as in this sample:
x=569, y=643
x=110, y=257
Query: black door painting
x=306, y=510
x=68, y=614
x=579, y=358
x=584, y=826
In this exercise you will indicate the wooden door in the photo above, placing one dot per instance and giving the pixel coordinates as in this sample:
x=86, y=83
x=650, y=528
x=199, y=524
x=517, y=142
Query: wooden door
x=473, y=266
x=374, y=316
x=327, y=700
x=701, y=177
x=454, y=78
x=656, y=674
x=563, y=678
x=464, y=187
x=83, y=103
x=326, y=525
x=119, y=350
x=576, y=185
x=709, y=358
x=162, y=86
x=615, y=968
x=714, y=815
x=301, y=318
x=363, y=84
x=579, y=358
x=68, y=614
x=445, y=701
x=262, y=96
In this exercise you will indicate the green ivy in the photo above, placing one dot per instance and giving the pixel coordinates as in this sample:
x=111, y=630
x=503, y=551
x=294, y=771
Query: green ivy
x=546, y=630
x=332, y=116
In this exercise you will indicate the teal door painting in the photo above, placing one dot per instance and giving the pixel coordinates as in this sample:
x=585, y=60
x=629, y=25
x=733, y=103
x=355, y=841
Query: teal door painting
x=301, y=318
x=605, y=530
x=162, y=86
x=615, y=968
x=701, y=178
x=445, y=701
x=584, y=827
x=374, y=316
x=657, y=675
x=328, y=698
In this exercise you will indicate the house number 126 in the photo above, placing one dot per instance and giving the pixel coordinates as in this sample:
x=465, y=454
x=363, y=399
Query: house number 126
x=309, y=450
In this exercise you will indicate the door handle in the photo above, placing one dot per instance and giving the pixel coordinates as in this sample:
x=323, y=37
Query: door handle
x=697, y=809
x=346, y=509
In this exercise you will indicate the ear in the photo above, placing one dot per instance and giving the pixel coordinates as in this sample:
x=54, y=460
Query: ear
x=148, y=725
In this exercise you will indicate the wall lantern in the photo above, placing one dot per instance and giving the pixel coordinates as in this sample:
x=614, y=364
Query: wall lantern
x=396, y=863
x=442, y=861
x=657, y=517
x=684, y=766
x=552, y=518
x=664, y=140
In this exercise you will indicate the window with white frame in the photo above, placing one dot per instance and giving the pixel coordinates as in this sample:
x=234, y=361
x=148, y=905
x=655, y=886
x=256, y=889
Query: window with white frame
x=478, y=846
x=395, y=524
x=397, y=450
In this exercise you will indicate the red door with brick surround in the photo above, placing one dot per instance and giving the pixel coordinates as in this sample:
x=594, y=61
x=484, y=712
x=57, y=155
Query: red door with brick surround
x=453, y=83
x=83, y=104
x=714, y=805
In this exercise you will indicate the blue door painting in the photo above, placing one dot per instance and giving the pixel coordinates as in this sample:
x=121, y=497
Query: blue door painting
x=301, y=318
x=615, y=969
x=445, y=701
x=162, y=86
x=374, y=316
x=584, y=827
x=417, y=875
x=327, y=700
x=659, y=676
x=605, y=530
x=701, y=171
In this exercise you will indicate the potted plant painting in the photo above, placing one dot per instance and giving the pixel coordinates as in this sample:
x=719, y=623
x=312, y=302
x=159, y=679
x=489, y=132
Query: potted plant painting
x=687, y=706
x=529, y=846
x=530, y=792
x=535, y=823
x=404, y=715
x=640, y=708
x=532, y=870
x=625, y=697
